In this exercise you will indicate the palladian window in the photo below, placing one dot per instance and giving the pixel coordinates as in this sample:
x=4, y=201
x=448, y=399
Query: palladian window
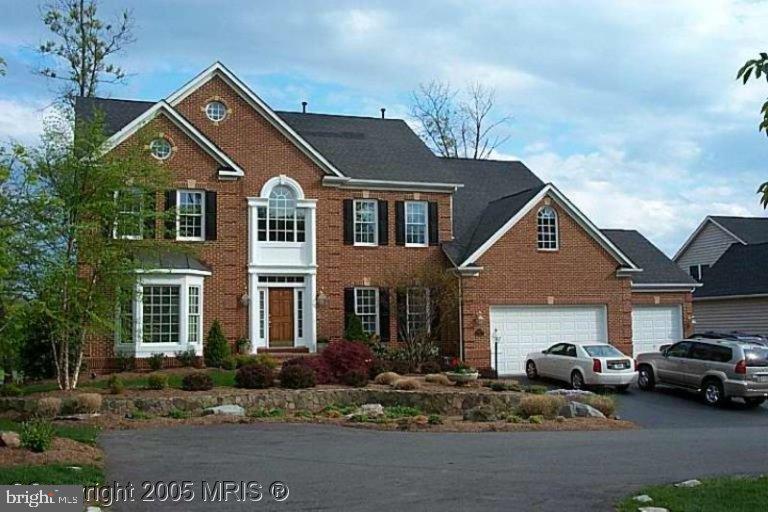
x=281, y=220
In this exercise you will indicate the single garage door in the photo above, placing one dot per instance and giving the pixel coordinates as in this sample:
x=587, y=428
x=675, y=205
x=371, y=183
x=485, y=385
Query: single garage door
x=523, y=329
x=653, y=326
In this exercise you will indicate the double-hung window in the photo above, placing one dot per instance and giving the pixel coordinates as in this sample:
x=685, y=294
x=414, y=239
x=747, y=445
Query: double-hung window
x=416, y=223
x=417, y=311
x=367, y=308
x=193, y=314
x=190, y=217
x=366, y=222
x=129, y=223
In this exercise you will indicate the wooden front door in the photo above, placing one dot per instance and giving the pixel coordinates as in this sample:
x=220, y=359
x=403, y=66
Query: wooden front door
x=281, y=317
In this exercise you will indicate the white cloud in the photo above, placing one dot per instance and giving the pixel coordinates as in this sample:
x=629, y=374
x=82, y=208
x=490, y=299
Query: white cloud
x=21, y=121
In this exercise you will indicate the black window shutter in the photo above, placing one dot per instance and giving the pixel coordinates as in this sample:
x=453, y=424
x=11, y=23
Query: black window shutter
x=384, y=314
x=170, y=212
x=349, y=305
x=150, y=208
x=210, y=215
x=433, y=232
x=349, y=234
x=399, y=222
x=434, y=311
x=383, y=223
x=402, y=314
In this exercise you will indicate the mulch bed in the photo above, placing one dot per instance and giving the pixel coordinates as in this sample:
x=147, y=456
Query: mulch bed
x=62, y=451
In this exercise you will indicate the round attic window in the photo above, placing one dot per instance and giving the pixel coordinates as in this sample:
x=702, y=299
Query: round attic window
x=216, y=111
x=161, y=148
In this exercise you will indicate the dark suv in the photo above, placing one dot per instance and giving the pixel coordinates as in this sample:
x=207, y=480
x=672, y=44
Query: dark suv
x=718, y=369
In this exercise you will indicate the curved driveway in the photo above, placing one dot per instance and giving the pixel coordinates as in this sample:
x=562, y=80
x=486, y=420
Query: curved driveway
x=330, y=468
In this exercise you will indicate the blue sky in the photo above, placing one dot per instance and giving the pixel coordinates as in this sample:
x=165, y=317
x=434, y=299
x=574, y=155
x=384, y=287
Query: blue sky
x=630, y=108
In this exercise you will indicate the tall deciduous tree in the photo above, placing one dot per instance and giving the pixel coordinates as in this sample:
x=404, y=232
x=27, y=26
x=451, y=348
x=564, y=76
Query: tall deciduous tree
x=82, y=46
x=2, y=66
x=458, y=124
x=83, y=271
x=757, y=68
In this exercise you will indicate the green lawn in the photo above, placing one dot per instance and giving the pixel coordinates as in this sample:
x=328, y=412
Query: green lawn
x=729, y=494
x=55, y=474
x=82, y=433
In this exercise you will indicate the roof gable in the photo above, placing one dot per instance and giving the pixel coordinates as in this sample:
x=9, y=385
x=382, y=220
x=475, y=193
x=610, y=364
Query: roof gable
x=741, y=270
x=744, y=230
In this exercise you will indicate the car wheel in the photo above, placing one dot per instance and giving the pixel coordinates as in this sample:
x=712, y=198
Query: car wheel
x=754, y=402
x=577, y=380
x=530, y=370
x=623, y=388
x=645, y=379
x=713, y=393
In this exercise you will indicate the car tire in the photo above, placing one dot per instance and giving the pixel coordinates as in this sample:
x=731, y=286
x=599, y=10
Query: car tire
x=753, y=403
x=530, y=370
x=577, y=380
x=623, y=388
x=713, y=393
x=645, y=378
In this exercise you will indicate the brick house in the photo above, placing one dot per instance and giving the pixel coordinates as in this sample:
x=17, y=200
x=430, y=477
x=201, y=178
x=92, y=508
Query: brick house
x=299, y=220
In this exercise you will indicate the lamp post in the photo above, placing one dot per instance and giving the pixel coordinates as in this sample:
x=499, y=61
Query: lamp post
x=496, y=338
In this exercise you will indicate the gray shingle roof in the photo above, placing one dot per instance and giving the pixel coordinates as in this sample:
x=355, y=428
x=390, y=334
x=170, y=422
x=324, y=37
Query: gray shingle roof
x=117, y=113
x=753, y=230
x=741, y=270
x=657, y=267
x=171, y=261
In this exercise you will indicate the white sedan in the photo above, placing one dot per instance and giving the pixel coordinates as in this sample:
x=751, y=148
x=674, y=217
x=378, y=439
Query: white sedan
x=583, y=364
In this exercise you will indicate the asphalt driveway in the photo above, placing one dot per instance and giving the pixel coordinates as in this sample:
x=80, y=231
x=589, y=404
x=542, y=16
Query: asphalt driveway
x=331, y=468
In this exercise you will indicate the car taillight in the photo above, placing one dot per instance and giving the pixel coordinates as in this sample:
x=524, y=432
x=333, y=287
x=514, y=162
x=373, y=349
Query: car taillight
x=597, y=366
x=741, y=367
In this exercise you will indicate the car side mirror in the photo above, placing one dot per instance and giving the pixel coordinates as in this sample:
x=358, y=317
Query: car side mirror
x=545, y=351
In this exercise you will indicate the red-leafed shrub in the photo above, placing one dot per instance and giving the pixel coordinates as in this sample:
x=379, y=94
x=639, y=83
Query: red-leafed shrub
x=323, y=374
x=355, y=378
x=343, y=356
x=296, y=376
x=255, y=376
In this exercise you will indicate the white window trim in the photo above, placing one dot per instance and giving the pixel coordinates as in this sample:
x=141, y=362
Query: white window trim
x=137, y=347
x=200, y=238
x=115, y=225
x=376, y=301
x=427, y=305
x=375, y=222
x=557, y=231
x=426, y=224
x=299, y=310
x=208, y=114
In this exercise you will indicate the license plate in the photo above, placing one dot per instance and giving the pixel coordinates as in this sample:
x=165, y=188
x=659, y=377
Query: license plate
x=618, y=366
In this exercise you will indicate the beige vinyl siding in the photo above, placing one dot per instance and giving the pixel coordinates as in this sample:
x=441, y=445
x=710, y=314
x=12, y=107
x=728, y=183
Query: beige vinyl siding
x=706, y=248
x=746, y=315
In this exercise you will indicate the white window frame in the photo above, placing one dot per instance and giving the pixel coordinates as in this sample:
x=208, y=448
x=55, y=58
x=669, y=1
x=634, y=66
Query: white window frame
x=208, y=113
x=152, y=149
x=427, y=305
x=375, y=221
x=119, y=213
x=425, y=205
x=180, y=238
x=377, y=314
x=136, y=346
x=542, y=245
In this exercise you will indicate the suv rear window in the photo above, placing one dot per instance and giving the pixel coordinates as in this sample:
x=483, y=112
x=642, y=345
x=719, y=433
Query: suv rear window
x=756, y=356
x=602, y=351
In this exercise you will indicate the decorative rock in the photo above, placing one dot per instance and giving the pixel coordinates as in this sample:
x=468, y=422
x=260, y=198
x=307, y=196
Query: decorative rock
x=643, y=498
x=78, y=417
x=569, y=393
x=93, y=509
x=10, y=439
x=372, y=410
x=652, y=509
x=227, y=410
x=689, y=483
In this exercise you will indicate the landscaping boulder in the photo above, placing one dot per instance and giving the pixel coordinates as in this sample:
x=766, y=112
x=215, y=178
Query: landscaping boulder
x=579, y=410
x=570, y=394
x=371, y=410
x=652, y=509
x=643, y=498
x=689, y=483
x=480, y=413
x=10, y=439
x=225, y=410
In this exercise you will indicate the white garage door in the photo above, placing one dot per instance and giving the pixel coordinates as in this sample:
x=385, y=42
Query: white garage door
x=523, y=329
x=653, y=326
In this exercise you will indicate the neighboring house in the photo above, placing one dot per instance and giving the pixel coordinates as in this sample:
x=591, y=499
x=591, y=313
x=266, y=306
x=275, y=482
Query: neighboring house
x=728, y=256
x=300, y=220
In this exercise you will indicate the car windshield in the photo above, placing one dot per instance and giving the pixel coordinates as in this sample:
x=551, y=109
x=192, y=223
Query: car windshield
x=756, y=356
x=602, y=351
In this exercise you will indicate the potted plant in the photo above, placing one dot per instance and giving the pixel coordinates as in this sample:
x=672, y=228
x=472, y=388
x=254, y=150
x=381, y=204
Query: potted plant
x=461, y=373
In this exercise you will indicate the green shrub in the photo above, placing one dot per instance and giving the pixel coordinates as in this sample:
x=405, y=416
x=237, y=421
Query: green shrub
x=115, y=384
x=85, y=403
x=36, y=435
x=156, y=361
x=262, y=412
x=125, y=363
x=10, y=389
x=186, y=358
x=197, y=381
x=354, y=329
x=157, y=381
x=255, y=376
x=435, y=419
x=604, y=404
x=501, y=385
x=536, y=390
x=138, y=414
x=304, y=414
x=540, y=405
x=216, y=348
x=229, y=363
x=296, y=376
x=48, y=407
x=355, y=378
x=179, y=414
x=401, y=411
x=538, y=419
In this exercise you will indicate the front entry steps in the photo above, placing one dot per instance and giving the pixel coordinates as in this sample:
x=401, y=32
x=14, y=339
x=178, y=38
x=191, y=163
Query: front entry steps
x=283, y=354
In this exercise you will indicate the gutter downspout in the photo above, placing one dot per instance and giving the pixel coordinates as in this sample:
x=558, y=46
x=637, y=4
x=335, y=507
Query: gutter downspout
x=461, y=319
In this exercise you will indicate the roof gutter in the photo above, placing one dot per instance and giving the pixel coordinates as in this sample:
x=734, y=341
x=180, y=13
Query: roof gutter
x=730, y=297
x=665, y=287
x=344, y=182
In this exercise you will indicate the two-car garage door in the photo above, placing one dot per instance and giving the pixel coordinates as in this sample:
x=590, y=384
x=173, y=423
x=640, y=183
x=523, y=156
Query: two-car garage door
x=523, y=329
